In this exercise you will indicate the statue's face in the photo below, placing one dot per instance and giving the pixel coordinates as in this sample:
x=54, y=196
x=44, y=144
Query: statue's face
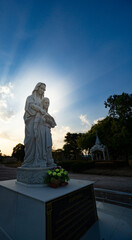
x=46, y=104
x=41, y=89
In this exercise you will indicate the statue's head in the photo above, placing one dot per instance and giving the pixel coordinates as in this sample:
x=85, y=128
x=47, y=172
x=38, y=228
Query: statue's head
x=40, y=88
x=45, y=103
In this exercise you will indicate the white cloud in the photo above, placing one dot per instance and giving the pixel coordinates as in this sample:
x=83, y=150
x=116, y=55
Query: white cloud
x=6, y=95
x=3, y=103
x=84, y=120
x=99, y=119
x=5, y=113
x=6, y=90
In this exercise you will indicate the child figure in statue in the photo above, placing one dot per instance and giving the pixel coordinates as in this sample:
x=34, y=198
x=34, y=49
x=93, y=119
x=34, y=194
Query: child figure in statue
x=42, y=129
x=48, y=119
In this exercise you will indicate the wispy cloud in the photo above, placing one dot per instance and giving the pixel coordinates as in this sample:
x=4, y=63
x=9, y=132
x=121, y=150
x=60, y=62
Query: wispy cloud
x=6, y=90
x=99, y=119
x=84, y=120
x=5, y=95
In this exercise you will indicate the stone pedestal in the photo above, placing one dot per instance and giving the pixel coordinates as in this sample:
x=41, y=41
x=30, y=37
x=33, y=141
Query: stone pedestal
x=31, y=176
x=44, y=213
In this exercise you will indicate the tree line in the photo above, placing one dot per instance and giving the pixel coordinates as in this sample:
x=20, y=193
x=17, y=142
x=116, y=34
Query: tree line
x=114, y=131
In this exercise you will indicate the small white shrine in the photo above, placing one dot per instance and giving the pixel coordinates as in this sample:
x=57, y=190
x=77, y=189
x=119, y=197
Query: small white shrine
x=97, y=149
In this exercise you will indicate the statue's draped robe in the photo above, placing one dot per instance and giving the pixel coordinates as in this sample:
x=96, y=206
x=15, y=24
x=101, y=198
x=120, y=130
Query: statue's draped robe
x=37, y=147
x=43, y=154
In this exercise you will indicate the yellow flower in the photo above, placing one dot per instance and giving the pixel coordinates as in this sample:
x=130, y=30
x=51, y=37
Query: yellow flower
x=57, y=170
x=59, y=174
x=49, y=172
x=54, y=173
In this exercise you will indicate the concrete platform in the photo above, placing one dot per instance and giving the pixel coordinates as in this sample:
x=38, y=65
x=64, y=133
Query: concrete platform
x=114, y=223
x=40, y=213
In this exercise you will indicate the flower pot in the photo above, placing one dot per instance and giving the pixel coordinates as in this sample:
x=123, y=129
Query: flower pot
x=62, y=184
x=56, y=177
x=54, y=185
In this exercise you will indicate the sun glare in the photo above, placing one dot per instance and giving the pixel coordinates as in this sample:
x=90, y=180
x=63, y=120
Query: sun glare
x=57, y=90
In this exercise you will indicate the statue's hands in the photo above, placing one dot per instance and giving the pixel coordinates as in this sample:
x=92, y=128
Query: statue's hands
x=53, y=125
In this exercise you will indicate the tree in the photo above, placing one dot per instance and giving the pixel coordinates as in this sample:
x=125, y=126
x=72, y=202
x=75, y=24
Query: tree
x=87, y=140
x=71, y=149
x=120, y=110
x=103, y=127
x=113, y=133
x=18, y=152
x=58, y=155
x=120, y=106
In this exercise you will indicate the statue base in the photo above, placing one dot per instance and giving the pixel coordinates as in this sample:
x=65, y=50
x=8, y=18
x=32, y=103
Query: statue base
x=31, y=176
x=46, y=213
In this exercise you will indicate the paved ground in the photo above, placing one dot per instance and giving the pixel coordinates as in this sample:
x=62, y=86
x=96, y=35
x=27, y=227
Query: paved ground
x=7, y=173
x=123, y=184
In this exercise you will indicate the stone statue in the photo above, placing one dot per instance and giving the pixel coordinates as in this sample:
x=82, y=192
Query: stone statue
x=42, y=126
x=38, y=122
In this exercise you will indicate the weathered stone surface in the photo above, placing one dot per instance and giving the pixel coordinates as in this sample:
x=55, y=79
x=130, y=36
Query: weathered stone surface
x=38, y=124
x=31, y=175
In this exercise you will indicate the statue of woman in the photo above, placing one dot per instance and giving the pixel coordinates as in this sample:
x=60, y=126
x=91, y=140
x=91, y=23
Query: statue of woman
x=34, y=108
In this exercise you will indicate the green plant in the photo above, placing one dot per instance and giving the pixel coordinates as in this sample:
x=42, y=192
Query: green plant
x=56, y=174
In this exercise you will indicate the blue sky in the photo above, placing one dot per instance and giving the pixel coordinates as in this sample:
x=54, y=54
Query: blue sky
x=81, y=49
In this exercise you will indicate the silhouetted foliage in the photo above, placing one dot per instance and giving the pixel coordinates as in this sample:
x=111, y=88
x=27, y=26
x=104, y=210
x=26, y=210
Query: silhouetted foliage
x=18, y=152
x=71, y=149
x=58, y=155
x=115, y=131
x=120, y=106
